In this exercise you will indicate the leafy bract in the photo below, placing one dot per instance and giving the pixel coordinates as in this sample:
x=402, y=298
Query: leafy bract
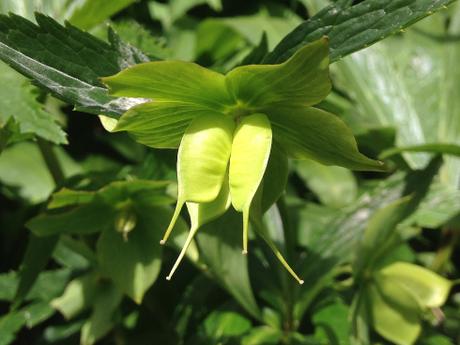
x=354, y=27
x=160, y=124
x=302, y=80
x=175, y=81
x=316, y=134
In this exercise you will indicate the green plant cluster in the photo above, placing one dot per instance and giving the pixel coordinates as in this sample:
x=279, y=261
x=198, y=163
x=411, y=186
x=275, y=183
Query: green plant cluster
x=311, y=149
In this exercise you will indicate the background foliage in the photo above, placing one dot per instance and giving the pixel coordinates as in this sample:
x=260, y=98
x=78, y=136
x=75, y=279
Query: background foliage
x=83, y=210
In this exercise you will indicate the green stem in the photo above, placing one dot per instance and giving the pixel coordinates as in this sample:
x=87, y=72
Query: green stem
x=51, y=161
x=449, y=240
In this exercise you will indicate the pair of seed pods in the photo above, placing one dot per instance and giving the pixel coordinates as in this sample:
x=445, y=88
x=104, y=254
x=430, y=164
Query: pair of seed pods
x=220, y=163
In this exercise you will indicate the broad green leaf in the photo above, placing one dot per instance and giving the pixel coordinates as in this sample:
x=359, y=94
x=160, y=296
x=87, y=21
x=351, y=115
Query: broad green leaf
x=395, y=312
x=334, y=186
x=220, y=249
x=133, y=263
x=248, y=160
x=88, y=13
x=160, y=124
x=85, y=219
x=428, y=288
x=202, y=161
x=77, y=297
x=101, y=320
x=68, y=197
x=310, y=133
x=18, y=102
x=351, y=28
x=174, y=81
x=303, y=80
x=450, y=149
x=63, y=60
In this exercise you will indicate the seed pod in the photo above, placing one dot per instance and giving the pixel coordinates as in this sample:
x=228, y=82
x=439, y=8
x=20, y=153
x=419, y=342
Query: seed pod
x=200, y=214
x=202, y=161
x=248, y=161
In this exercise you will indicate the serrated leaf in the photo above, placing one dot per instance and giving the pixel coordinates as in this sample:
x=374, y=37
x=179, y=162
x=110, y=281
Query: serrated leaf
x=18, y=102
x=351, y=28
x=315, y=134
x=63, y=60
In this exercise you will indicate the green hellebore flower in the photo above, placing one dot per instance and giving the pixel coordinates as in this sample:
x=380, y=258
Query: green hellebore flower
x=225, y=126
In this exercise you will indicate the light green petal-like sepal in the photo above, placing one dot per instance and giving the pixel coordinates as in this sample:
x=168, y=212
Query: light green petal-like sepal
x=202, y=161
x=200, y=214
x=249, y=158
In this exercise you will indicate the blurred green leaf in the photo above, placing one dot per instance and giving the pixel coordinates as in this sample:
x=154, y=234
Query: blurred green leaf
x=385, y=82
x=36, y=257
x=22, y=167
x=88, y=13
x=102, y=318
x=334, y=186
x=134, y=262
x=332, y=325
x=18, y=102
x=395, y=313
x=428, y=288
x=220, y=249
x=79, y=295
x=224, y=324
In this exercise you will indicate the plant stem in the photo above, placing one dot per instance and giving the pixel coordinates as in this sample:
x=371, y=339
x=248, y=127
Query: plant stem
x=51, y=161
